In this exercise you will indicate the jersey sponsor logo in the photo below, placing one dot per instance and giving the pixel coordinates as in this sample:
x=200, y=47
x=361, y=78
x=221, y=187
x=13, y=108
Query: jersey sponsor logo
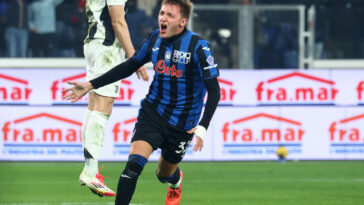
x=261, y=133
x=181, y=57
x=126, y=90
x=227, y=91
x=347, y=135
x=360, y=91
x=14, y=90
x=161, y=68
x=296, y=88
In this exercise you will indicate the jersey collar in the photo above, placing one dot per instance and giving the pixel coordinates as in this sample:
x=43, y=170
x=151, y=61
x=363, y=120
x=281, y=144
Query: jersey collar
x=174, y=38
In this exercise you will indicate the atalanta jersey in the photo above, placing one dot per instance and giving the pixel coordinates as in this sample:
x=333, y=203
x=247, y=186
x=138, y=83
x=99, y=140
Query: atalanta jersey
x=181, y=63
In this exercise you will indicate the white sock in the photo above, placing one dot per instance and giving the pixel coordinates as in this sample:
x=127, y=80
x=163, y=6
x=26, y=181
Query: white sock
x=94, y=140
x=91, y=166
x=86, y=117
x=175, y=186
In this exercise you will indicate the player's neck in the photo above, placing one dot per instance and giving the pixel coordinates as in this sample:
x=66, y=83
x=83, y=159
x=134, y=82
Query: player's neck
x=175, y=37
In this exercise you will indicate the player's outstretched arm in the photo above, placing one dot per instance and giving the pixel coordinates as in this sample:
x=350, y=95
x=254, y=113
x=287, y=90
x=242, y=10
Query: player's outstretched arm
x=213, y=97
x=119, y=72
x=78, y=90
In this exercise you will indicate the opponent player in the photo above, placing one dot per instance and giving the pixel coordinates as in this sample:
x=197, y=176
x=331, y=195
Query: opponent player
x=104, y=47
x=170, y=113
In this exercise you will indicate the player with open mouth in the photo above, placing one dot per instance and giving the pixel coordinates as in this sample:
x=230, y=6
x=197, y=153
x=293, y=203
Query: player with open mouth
x=170, y=113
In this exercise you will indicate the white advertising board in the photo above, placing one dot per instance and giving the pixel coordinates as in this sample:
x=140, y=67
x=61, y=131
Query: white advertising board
x=309, y=133
x=236, y=133
x=54, y=133
x=44, y=87
x=317, y=115
x=238, y=87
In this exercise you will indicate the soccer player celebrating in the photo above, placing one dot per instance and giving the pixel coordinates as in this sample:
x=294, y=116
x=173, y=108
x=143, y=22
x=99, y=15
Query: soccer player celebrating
x=169, y=115
x=105, y=46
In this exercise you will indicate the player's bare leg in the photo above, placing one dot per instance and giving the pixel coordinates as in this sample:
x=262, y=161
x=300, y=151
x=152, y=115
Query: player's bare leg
x=99, y=110
x=168, y=172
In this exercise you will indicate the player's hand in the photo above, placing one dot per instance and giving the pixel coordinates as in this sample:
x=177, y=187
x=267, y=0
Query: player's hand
x=142, y=73
x=77, y=91
x=200, y=133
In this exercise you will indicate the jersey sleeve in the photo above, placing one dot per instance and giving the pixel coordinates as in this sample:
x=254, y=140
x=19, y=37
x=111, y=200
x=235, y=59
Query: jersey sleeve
x=205, y=61
x=142, y=53
x=116, y=2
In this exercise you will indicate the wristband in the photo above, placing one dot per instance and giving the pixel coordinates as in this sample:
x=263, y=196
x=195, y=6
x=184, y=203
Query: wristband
x=200, y=132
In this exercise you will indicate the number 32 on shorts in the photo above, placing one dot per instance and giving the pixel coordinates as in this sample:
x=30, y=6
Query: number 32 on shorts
x=182, y=147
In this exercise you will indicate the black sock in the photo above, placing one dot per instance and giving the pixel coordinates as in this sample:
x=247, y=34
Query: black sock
x=128, y=179
x=175, y=177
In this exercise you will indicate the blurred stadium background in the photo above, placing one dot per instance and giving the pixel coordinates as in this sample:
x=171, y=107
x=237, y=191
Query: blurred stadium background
x=292, y=78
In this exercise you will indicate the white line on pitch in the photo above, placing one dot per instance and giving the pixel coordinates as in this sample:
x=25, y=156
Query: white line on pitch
x=89, y=203
x=66, y=203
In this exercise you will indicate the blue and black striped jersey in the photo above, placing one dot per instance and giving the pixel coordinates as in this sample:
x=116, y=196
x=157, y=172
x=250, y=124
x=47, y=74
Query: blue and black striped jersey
x=181, y=63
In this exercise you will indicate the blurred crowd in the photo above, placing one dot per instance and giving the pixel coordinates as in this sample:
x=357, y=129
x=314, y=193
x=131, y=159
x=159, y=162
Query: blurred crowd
x=42, y=28
x=339, y=32
x=56, y=28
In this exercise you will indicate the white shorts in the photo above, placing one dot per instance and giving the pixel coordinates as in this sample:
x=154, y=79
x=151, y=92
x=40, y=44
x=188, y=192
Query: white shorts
x=99, y=60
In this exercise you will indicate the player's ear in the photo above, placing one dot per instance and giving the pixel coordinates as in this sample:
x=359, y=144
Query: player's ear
x=184, y=22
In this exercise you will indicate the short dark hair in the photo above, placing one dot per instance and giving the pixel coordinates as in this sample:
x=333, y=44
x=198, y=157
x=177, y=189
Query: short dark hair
x=185, y=5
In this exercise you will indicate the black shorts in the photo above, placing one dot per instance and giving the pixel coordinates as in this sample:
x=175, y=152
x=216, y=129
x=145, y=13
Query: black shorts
x=155, y=130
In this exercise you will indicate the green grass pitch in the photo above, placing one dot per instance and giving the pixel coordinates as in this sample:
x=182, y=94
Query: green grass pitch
x=218, y=183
